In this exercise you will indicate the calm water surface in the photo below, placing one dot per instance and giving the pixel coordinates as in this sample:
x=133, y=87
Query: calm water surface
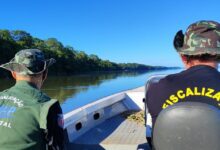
x=78, y=90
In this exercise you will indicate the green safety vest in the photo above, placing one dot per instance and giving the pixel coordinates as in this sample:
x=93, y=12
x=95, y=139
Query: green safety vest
x=23, y=117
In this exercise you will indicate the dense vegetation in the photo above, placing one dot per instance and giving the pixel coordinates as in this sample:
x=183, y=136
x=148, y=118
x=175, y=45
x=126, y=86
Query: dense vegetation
x=69, y=60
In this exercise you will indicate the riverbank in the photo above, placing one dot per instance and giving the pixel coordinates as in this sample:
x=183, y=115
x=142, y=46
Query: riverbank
x=4, y=74
x=69, y=61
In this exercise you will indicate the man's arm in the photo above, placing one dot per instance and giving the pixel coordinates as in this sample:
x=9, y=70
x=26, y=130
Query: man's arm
x=54, y=133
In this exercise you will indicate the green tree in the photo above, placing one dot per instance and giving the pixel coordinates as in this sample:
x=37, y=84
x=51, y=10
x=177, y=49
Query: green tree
x=22, y=38
x=68, y=59
x=53, y=44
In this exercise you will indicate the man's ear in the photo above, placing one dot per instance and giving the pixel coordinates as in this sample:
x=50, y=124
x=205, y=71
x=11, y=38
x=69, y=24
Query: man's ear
x=187, y=63
x=184, y=58
x=13, y=74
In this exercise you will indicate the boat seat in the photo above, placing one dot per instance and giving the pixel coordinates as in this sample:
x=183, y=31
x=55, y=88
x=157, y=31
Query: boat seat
x=187, y=126
x=148, y=120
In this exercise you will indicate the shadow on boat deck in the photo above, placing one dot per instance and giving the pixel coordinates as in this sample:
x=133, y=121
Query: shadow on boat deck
x=117, y=133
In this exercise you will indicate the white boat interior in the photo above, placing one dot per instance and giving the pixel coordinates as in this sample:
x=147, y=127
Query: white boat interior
x=102, y=125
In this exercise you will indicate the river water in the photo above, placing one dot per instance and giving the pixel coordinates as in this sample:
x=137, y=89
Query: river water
x=78, y=90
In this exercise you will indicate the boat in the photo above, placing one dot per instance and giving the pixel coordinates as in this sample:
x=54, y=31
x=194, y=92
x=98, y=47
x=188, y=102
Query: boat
x=104, y=125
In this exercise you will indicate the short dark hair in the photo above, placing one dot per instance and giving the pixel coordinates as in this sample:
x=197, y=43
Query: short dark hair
x=203, y=57
x=37, y=75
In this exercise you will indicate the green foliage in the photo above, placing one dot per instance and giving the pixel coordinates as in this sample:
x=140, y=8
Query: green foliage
x=22, y=38
x=69, y=60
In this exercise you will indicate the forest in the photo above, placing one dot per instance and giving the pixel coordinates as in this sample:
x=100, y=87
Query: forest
x=69, y=60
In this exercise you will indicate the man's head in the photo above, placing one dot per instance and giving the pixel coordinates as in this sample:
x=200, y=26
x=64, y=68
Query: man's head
x=29, y=65
x=200, y=44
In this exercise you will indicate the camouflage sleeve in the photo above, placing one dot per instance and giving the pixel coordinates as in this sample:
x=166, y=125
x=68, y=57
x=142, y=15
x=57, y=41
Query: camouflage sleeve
x=54, y=132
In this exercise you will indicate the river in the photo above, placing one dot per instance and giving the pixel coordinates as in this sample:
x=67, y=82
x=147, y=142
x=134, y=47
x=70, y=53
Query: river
x=78, y=90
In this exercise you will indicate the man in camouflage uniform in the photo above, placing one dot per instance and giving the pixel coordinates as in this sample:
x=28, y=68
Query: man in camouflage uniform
x=199, y=50
x=28, y=117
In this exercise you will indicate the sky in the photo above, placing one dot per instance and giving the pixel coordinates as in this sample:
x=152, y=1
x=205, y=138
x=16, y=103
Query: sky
x=122, y=31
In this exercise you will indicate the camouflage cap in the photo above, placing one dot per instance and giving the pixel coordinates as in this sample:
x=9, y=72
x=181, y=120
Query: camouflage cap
x=28, y=62
x=202, y=37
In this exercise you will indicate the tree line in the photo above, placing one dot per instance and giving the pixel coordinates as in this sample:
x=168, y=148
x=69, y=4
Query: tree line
x=69, y=60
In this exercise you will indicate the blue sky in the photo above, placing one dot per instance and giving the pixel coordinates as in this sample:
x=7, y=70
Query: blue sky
x=138, y=31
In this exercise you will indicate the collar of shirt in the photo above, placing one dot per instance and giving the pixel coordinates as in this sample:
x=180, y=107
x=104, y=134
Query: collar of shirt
x=200, y=67
x=25, y=84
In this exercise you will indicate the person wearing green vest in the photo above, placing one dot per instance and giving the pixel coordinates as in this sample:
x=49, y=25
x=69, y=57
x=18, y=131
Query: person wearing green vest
x=29, y=119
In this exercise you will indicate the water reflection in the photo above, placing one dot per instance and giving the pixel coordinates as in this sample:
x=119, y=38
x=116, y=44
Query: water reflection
x=62, y=88
x=78, y=90
x=107, y=84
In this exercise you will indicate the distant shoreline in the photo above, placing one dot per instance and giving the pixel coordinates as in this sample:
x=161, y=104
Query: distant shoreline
x=68, y=60
x=7, y=75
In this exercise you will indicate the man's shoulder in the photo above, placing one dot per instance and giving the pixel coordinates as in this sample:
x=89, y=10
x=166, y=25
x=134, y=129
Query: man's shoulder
x=4, y=91
x=39, y=96
x=173, y=77
x=42, y=97
x=8, y=94
x=166, y=80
